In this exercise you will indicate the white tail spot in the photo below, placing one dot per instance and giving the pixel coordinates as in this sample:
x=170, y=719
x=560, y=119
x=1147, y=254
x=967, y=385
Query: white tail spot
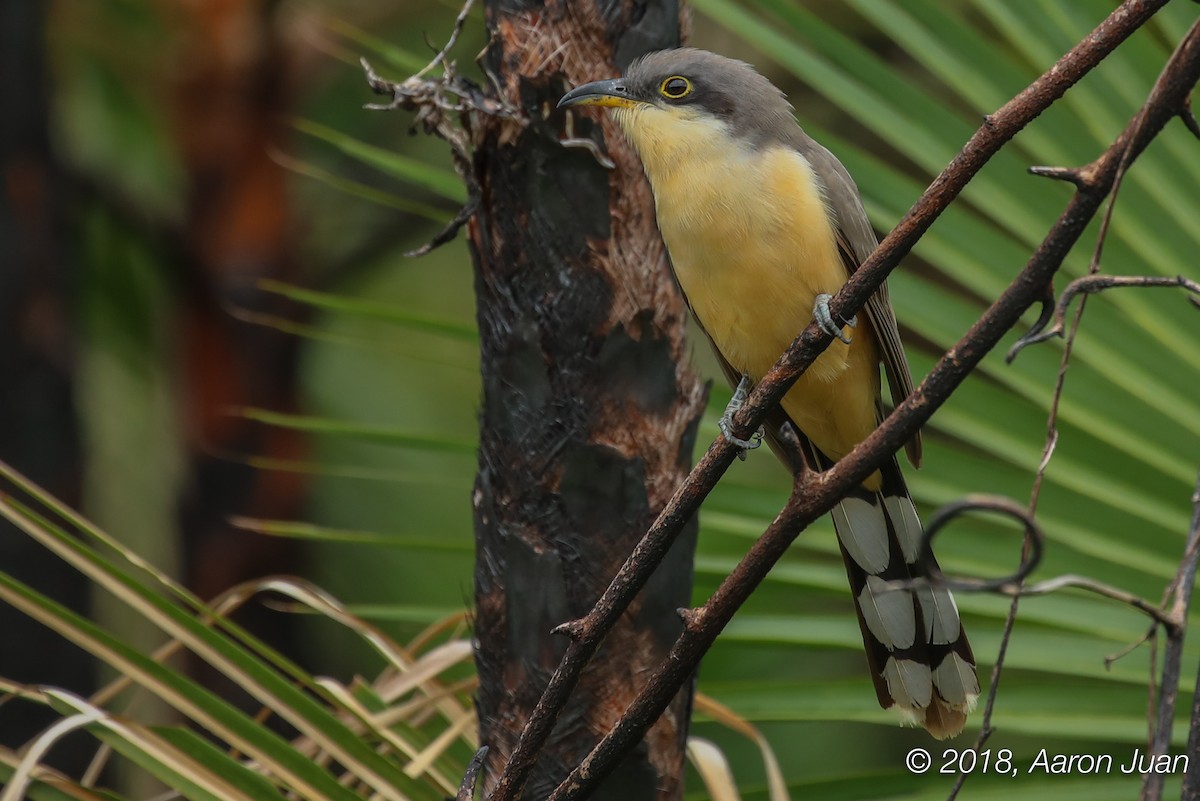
x=956, y=681
x=908, y=526
x=863, y=532
x=942, y=625
x=908, y=682
x=888, y=613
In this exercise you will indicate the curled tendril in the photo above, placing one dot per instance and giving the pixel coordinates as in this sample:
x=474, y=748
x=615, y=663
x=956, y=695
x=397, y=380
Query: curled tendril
x=1007, y=585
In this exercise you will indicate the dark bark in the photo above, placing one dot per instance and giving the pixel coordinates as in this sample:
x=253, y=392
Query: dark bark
x=39, y=434
x=589, y=406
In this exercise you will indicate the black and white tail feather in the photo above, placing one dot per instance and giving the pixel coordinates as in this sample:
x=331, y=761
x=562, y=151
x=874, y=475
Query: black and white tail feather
x=920, y=660
x=918, y=654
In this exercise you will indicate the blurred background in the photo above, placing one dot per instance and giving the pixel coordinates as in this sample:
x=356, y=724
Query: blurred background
x=214, y=346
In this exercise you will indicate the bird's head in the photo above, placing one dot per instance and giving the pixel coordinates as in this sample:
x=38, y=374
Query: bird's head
x=672, y=94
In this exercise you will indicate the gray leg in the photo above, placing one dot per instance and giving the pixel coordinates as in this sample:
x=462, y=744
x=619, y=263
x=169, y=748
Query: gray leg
x=824, y=318
x=726, y=422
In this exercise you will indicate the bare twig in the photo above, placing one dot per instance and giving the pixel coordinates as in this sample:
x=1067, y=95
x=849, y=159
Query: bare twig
x=1189, y=119
x=1185, y=580
x=430, y=99
x=441, y=104
x=1191, y=779
x=1006, y=585
x=466, y=790
x=1013, y=585
x=821, y=491
x=1154, y=612
x=1080, y=178
x=461, y=218
x=1090, y=285
x=440, y=58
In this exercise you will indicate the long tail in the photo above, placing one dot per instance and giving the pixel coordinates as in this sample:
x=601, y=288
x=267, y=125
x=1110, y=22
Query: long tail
x=918, y=653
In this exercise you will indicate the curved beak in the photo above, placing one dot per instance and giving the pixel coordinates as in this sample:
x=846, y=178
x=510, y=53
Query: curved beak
x=612, y=92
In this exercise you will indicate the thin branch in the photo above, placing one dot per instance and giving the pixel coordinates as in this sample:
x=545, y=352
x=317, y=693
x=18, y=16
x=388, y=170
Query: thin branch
x=1068, y=174
x=1189, y=119
x=1006, y=585
x=430, y=99
x=441, y=104
x=1013, y=585
x=1154, y=612
x=1090, y=285
x=461, y=218
x=440, y=57
x=1184, y=582
x=466, y=790
x=1080, y=177
x=1191, y=779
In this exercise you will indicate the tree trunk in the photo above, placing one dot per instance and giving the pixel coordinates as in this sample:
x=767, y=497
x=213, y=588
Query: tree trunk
x=589, y=406
x=39, y=433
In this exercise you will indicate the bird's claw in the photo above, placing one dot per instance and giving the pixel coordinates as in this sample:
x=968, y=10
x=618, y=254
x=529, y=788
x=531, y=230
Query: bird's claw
x=726, y=422
x=743, y=444
x=824, y=318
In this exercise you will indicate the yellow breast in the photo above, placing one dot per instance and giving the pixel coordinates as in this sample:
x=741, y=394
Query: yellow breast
x=752, y=245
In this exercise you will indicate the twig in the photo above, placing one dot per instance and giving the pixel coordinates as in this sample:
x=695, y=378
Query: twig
x=455, y=32
x=1007, y=585
x=1185, y=580
x=1155, y=613
x=1191, y=779
x=1090, y=285
x=461, y=218
x=466, y=790
x=823, y=490
x=1079, y=178
x=1013, y=585
x=437, y=103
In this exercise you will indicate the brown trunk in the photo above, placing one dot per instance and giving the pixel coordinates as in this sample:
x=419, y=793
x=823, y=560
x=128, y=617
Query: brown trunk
x=231, y=114
x=232, y=101
x=589, y=406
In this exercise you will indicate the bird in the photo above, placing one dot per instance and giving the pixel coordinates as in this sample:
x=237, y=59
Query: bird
x=762, y=225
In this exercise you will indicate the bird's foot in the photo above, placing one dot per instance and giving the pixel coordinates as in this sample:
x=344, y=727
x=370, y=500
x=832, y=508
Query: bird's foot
x=726, y=422
x=824, y=318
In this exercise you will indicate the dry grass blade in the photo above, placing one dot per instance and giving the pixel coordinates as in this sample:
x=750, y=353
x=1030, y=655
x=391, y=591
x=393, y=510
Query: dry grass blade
x=19, y=782
x=414, y=673
x=168, y=756
x=776, y=784
x=714, y=770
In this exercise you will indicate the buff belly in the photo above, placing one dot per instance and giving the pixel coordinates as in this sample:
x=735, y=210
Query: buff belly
x=752, y=250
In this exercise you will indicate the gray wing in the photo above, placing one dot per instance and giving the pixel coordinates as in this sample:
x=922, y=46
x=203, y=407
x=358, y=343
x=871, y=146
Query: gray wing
x=856, y=240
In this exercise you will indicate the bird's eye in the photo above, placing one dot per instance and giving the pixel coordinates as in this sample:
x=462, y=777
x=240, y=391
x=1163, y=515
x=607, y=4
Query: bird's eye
x=675, y=88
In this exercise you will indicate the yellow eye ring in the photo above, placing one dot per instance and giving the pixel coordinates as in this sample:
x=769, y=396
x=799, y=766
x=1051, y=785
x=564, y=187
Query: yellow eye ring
x=675, y=87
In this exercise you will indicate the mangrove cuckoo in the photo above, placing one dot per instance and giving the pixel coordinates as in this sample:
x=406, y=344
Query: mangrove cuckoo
x=762, y=224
